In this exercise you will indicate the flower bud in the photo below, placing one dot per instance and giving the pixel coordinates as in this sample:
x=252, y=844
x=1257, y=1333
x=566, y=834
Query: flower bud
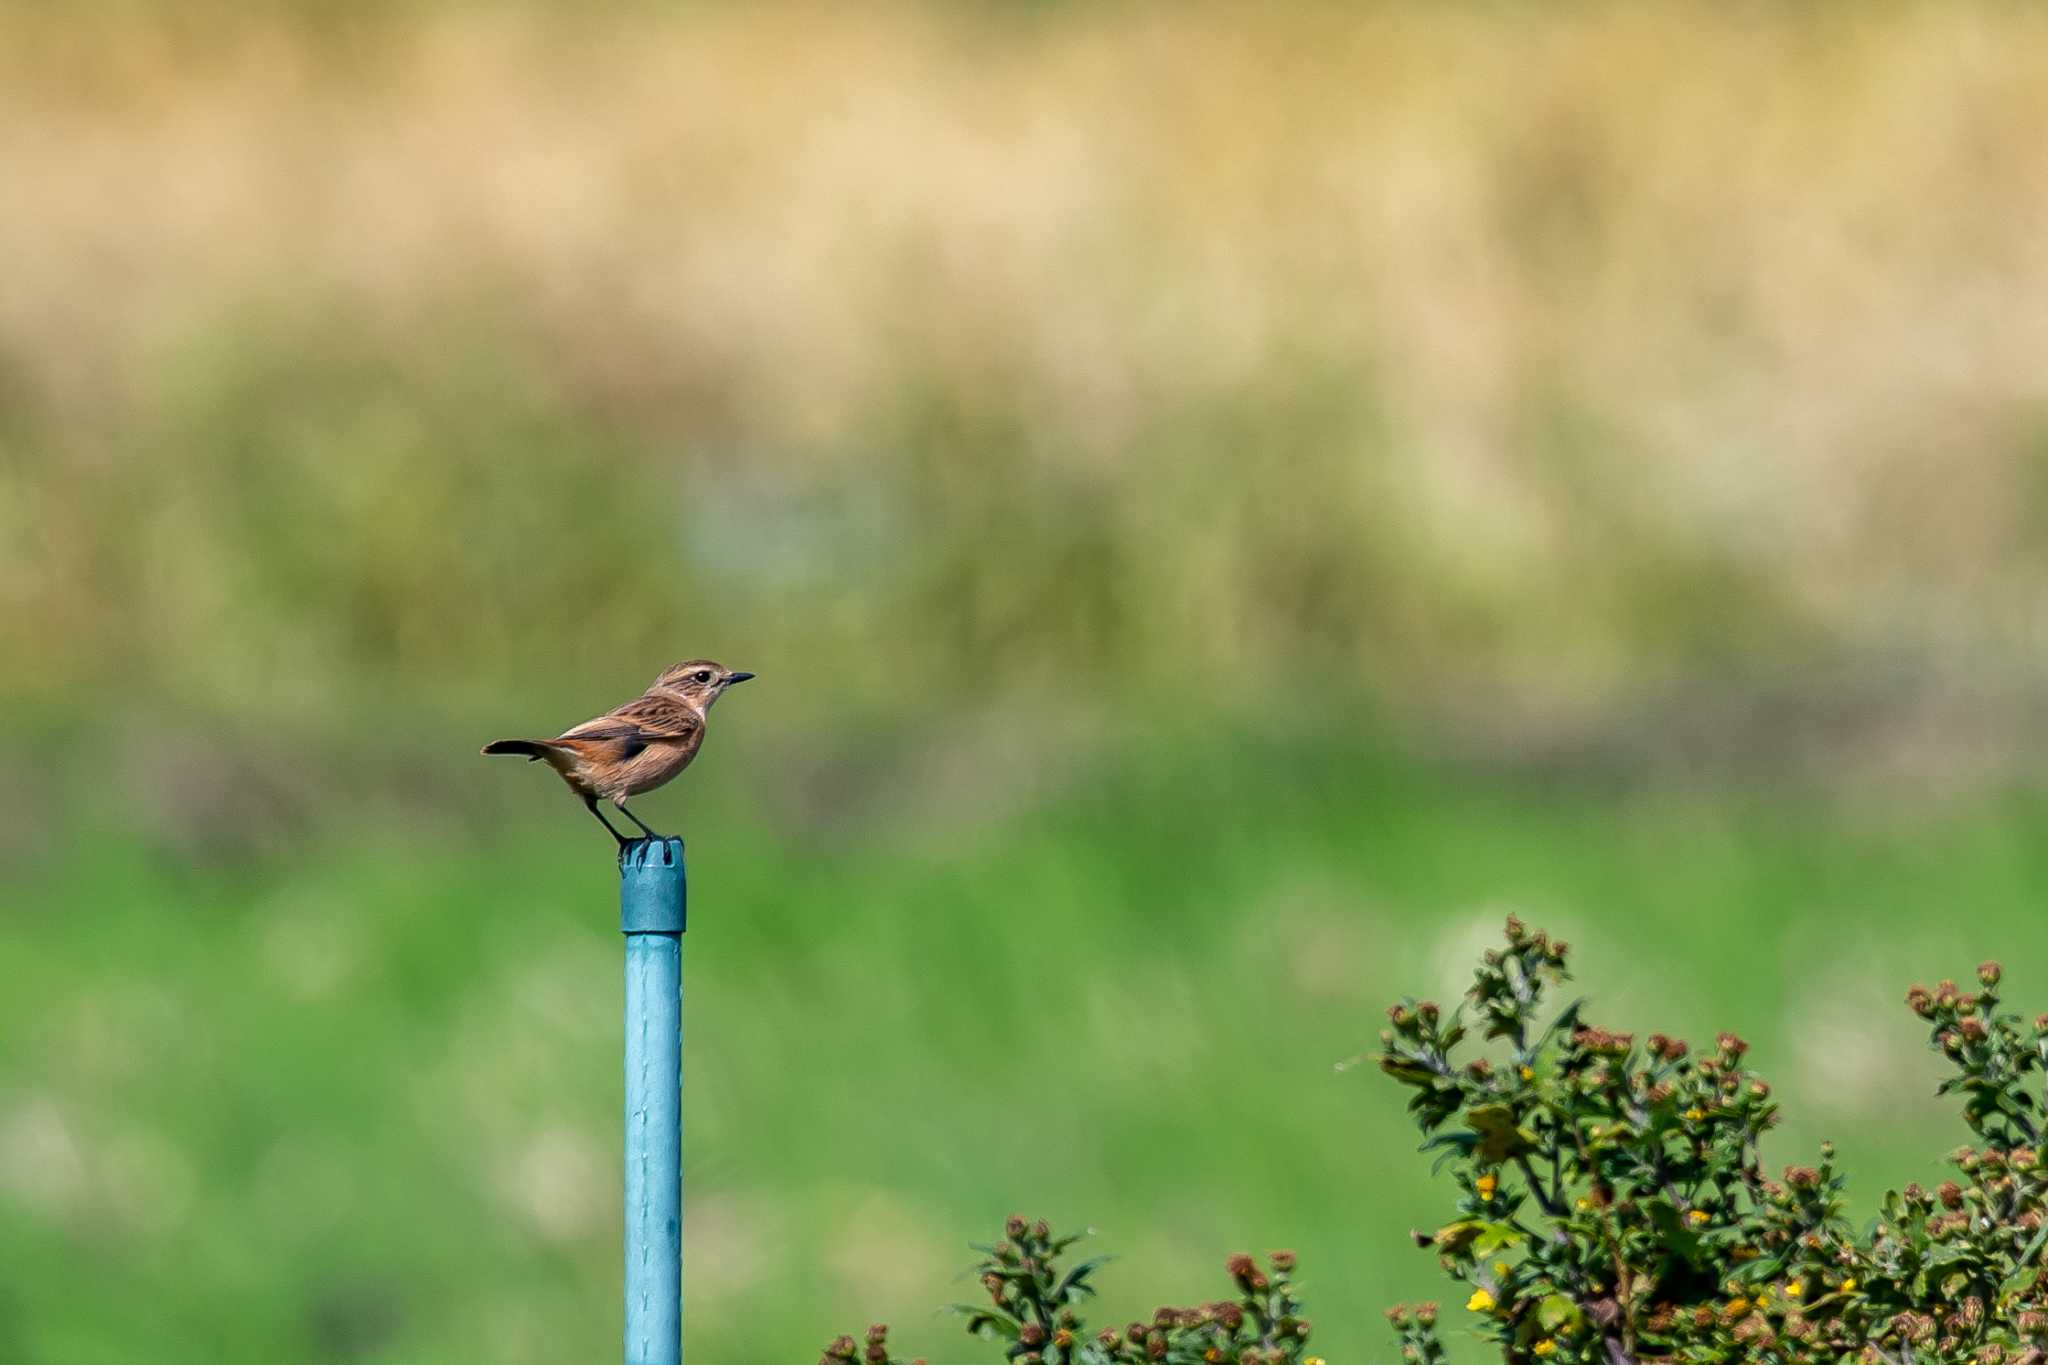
x=1988, y=974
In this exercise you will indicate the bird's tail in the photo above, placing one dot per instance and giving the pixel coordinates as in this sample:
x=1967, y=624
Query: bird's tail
x=533, y=749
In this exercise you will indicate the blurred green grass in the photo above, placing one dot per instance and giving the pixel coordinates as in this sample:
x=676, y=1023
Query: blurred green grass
x=356, y=1100
x=1225, y=503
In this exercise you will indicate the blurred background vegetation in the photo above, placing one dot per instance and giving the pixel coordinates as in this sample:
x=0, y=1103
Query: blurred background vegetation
x=1225, y=502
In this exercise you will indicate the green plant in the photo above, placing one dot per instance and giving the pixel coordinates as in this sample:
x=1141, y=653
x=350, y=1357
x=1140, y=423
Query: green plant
x=1034, y=1311
x=1613, y=1207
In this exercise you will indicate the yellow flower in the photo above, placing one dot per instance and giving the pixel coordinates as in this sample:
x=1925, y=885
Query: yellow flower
x=1794, y=1289
x=1500, y=1268
x=1738, y=1305
x=1313, y=1360
x=1694, y=1115
x=1849, y=1286
x=1545, y=1347
x=1480, y=1302
x=1585, y=1203
x=1697, y=1215
x=1528, y=1073
x=1487, y=1184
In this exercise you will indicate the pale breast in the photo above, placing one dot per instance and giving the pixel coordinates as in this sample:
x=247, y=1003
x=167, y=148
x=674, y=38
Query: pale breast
x=651, y=767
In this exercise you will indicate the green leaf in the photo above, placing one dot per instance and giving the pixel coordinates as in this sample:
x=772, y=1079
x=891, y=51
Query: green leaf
x=2020, y=1278
x=1407, y=1072
x=981, y=1322
x=1453, y=1238
x=1555, y=1312
x=1463, y=1143
x=1567, y=1019
x=1672, y=1227
x=1496, y=1237
x=1076, y=1279
x=1500, y=1138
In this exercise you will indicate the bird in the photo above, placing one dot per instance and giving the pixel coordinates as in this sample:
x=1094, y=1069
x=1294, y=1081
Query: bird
x=636, y=747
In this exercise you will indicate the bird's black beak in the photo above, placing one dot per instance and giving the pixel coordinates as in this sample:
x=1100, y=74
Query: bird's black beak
x=732, y=678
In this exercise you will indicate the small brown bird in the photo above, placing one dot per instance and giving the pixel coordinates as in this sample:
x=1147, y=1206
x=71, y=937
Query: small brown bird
x=636, y=747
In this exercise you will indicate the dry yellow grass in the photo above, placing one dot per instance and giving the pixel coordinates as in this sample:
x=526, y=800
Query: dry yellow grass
x=1560, y=346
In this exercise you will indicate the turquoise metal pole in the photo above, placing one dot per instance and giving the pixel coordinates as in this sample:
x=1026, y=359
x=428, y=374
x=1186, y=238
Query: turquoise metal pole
x=652, y=901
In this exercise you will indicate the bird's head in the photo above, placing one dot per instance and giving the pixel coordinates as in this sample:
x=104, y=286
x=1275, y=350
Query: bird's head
x=698, y=682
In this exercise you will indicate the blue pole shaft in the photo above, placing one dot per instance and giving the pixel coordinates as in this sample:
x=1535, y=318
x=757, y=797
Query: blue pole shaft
x=652, y=900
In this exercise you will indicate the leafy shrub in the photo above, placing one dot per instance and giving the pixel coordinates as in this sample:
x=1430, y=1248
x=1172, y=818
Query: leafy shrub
x=1034, y=1310
x=1612, y=1206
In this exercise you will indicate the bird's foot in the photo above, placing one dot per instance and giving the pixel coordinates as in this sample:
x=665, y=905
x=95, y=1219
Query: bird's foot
x=644, y=849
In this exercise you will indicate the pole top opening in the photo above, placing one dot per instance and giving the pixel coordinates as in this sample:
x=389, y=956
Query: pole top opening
x=653, y=895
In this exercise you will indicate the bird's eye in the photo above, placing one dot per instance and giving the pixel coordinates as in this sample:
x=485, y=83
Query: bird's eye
x=703, y=675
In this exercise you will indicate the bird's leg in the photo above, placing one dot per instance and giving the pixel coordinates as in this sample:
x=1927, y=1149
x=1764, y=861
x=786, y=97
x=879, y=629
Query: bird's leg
x=590, y=804
x=638, y=821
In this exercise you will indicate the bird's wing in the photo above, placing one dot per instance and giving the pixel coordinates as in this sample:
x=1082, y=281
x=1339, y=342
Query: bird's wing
x=639, y=723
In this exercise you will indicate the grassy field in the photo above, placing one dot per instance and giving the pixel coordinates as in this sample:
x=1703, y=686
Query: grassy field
x=355, y=1099
x=1226, y=502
